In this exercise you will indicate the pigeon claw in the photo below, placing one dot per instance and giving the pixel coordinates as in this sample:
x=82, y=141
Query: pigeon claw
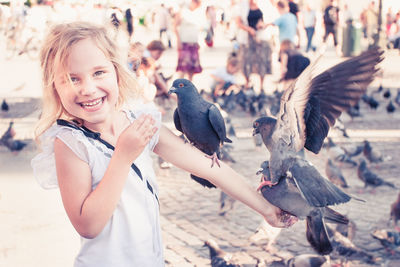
x=266, y=183
x=214, y=159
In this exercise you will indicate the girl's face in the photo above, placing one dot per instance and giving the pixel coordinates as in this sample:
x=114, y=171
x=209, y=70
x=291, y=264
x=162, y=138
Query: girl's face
x=93, y=94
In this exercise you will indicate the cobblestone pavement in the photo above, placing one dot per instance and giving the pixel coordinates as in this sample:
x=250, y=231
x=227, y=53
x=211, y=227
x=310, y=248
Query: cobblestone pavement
x=189, y=212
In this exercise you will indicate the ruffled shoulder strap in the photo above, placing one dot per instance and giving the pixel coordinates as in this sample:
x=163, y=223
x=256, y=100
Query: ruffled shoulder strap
x=43, y=164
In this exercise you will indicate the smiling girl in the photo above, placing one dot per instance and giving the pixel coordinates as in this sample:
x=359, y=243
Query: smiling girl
x=97, y=151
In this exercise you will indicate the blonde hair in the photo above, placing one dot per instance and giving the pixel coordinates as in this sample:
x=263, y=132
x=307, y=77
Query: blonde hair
x=54, y=55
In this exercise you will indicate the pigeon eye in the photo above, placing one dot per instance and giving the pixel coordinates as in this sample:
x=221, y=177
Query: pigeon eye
x=180, y=85
x=256, y=124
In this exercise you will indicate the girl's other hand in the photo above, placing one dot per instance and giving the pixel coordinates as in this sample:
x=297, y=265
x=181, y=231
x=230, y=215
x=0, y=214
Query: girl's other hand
x=136, y=136
x=279, y=218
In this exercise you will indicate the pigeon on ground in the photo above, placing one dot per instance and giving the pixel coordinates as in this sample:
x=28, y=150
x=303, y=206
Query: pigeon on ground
x=353, y=150
x=309, y=107
x=4, y=106
x=348, y=230
x=390, y=240
x=334, y=174
x=306, y=260
x=395, y=211
x=390, y=108
x=219, y=258
x=346, y=250
x=371, y=154
x=370, y=178
x=338, y=153
x=267, y=234
x=387, y=94
x=397, y=98
x=200, y=121
x=9, y=133
x=339, y=125
x=226, y=203
x=7, y=139
x=288, y=197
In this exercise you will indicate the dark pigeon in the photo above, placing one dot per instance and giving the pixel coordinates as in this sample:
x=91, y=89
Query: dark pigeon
x=306, y=260
x=335, y=174
x=346, y=250
x=200, y=121
x=338, y=153
x=387, y=94
x=390, y=108
x=347, y=230
x=371, y=154
x=397, y=98
x=289, y=197
x=373, y=103
x=4, y=106
x=390, y=240
x=370, y=178
x=219, y=258
x=395, y=211
x=309, y=107
x=353, y=150
x=7, y=139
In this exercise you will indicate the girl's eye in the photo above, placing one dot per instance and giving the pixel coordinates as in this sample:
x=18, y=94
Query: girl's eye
x=98, y=73
x=74, y=79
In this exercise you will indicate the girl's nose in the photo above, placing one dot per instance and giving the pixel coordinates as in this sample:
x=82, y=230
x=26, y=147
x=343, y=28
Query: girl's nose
x=88, y=87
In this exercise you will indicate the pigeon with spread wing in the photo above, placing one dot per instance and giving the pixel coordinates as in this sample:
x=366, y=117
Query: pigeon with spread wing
x=309, y=107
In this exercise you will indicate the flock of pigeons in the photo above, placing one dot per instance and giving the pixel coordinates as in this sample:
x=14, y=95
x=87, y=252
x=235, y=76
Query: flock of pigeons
x=298, y=119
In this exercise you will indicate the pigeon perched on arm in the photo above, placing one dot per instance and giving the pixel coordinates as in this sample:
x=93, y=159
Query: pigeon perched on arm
x=200, y=121
x=287, y=196
x=309, y=107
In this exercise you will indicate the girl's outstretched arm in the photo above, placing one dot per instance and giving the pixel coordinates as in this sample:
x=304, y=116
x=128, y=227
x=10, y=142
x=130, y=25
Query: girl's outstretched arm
x=185, y=156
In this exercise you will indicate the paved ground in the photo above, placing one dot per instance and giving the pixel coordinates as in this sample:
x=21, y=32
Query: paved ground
x=36, y=232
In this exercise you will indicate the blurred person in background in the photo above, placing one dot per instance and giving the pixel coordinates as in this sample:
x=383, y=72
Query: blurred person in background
x=224, y=80
x=371, y=20
x=331, y=23
x=163, y=20
x=188, y=23
x=255, y=53
x=286, y=22
x=309, y=21
x=292, y=62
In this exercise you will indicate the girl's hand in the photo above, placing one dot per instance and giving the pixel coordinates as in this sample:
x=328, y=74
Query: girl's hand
x=252, y=32
x=136, y=136
x=279, y=218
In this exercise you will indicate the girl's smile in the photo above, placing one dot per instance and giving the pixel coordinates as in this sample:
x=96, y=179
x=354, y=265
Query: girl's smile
x=93, y=105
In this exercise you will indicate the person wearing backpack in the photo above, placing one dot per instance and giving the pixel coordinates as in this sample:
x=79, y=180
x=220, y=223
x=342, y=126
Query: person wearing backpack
x=331, y=23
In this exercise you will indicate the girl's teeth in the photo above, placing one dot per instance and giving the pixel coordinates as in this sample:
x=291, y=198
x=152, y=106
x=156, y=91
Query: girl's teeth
x=90, y=104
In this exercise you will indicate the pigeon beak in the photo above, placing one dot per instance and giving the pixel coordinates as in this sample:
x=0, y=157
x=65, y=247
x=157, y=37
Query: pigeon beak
x=172, y=90
x=255, y=131
x=259, y=171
